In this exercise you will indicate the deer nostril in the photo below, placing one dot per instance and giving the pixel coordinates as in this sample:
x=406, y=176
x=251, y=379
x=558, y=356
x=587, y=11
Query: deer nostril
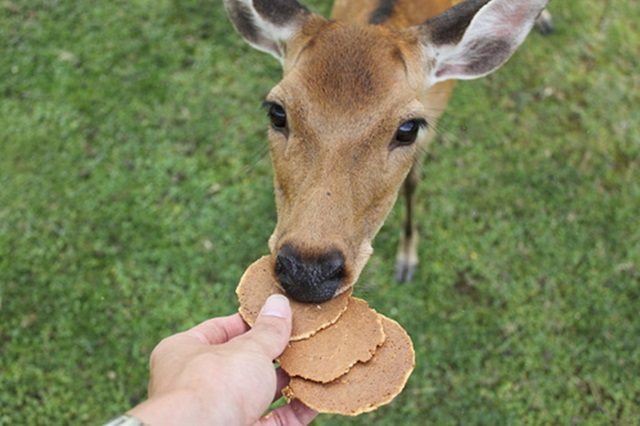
x=310, y=279
x=335, y=270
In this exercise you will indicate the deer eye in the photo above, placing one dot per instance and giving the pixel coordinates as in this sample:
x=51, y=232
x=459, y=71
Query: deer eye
x=408, y=132
x=277, y=115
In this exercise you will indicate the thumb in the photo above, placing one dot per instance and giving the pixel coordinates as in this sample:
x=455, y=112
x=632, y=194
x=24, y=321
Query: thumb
x=272, y=328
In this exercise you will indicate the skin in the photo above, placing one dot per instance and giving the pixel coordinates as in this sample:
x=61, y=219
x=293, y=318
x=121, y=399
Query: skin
x=221, y=372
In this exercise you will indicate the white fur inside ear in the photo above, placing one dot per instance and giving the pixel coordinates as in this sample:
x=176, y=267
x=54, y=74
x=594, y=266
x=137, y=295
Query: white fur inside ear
x=277, y=34
x=259, y=32
x=492, y=37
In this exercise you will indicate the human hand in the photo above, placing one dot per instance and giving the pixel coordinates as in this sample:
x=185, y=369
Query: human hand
x=221, y=372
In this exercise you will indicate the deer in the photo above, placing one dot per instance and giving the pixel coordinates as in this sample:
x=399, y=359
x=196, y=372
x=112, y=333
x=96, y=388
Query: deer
x=355, y=111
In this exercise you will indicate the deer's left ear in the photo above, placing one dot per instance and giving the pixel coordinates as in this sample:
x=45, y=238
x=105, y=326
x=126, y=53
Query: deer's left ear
x=267, y=24
x=476, y=37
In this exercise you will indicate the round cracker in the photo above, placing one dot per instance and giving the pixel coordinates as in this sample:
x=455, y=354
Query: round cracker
x=366, y=386
x=259, y=282
x=331, y=352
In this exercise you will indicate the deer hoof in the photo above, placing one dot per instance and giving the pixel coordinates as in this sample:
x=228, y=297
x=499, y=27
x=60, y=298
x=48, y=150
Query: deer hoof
x=405, y=271
x=544, y=23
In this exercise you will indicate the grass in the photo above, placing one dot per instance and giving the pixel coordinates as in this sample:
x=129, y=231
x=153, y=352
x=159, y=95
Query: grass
x=135, y=190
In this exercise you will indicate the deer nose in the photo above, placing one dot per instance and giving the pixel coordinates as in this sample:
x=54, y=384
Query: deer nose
x=310, y=279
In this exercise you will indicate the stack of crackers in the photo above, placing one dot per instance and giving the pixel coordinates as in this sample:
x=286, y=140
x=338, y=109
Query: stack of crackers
x=343, y=356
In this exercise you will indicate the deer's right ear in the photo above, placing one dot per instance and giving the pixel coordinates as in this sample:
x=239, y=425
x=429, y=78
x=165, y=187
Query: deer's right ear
x=267, y=24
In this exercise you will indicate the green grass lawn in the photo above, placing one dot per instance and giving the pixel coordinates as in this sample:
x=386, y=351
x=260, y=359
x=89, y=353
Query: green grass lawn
x=135, y=188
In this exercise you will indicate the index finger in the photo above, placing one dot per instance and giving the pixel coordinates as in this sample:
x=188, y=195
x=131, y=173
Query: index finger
x=218, y=330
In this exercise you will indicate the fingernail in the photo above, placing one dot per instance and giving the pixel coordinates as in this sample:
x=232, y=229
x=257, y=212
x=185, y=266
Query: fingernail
x=277, y=305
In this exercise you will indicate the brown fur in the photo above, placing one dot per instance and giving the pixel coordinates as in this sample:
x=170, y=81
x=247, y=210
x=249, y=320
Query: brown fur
x=335, y=176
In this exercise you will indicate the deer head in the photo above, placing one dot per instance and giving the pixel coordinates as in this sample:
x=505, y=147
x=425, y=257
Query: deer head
x=348, y=120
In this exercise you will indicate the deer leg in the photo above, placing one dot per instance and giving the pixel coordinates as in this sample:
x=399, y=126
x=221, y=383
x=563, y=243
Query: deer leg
x=407, y=256
x=435, y=101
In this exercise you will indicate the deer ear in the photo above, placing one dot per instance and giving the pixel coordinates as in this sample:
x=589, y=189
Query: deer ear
x=474, y=38
x=267, y=24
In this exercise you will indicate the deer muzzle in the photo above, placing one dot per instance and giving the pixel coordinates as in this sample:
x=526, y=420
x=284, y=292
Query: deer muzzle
x=310, y=279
